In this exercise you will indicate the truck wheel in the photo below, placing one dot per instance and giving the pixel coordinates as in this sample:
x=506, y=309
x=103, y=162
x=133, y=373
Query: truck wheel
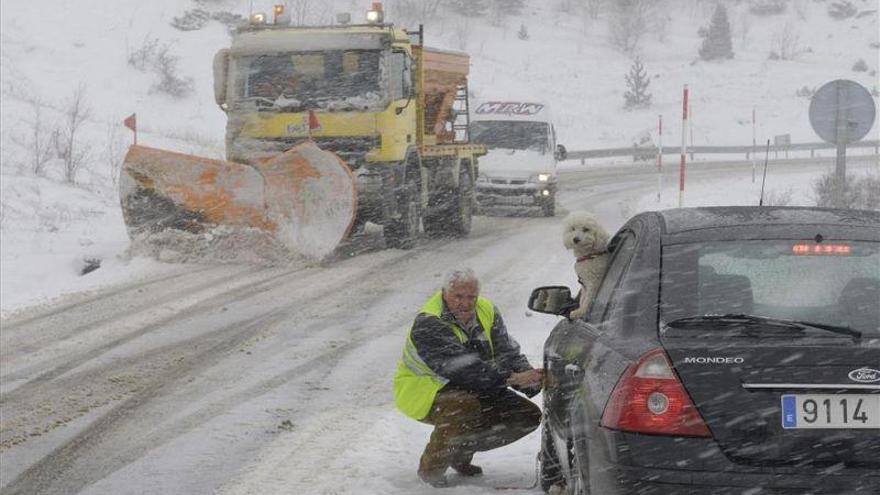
x=462, y=216
x=452, y=210
x=548, y=207
x=401, y=233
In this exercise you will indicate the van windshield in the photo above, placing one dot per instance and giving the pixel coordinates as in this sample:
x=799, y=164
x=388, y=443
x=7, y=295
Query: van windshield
x=330, y=80
x=511, y=135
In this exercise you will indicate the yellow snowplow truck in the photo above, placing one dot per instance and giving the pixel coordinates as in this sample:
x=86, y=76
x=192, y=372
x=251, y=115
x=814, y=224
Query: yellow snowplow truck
x=327, y=128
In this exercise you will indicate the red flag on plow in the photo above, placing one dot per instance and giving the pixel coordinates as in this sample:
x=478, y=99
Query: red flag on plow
x=131, y=123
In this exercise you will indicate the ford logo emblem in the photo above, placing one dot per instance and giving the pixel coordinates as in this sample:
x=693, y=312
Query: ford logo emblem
x=865, y=375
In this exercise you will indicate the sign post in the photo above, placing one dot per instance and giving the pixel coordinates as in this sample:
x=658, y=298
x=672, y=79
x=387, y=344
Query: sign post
x=842, y=112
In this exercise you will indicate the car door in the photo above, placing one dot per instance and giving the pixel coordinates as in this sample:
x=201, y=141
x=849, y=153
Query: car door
x=573, y=345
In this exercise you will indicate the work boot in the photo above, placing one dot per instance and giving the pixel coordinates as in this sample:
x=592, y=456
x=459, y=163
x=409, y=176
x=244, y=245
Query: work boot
x=437, y=480
x=467, y=469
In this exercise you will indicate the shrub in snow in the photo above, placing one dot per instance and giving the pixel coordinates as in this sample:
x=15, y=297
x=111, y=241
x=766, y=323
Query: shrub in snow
x=628, y=22
x=805, y=92
x=143, y=57
x=523, y=33
x=716, y=39
x=191, y=20
x=779, y=198
x=842, y=10
x=228, y=19
x=170, y=82
x=766, y=7
x=858, y=192
x=157, y=58
x=786, y=44
x=860, y=66
x=637, y=82
x=469, y=8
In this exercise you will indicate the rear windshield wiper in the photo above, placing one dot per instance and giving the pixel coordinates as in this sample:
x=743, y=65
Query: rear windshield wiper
x=745, y=319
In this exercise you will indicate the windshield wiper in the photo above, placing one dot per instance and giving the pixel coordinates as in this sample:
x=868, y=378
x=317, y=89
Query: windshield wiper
x=746, y=319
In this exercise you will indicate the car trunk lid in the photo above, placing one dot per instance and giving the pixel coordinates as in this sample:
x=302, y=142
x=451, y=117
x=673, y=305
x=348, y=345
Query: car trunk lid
x=738, y=384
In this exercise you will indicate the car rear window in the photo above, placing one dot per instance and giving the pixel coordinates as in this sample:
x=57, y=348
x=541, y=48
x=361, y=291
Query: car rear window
x=832, y=282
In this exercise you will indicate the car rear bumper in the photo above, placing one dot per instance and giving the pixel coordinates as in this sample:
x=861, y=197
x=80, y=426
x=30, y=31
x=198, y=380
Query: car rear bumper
x=647, y=481
x=645, y=464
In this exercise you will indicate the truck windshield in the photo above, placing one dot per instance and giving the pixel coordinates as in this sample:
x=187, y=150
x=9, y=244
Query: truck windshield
x=330, y=80
x=831, y=283
x=511, y=135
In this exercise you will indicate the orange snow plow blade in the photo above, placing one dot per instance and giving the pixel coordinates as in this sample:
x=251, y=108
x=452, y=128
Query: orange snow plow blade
x=305, y=198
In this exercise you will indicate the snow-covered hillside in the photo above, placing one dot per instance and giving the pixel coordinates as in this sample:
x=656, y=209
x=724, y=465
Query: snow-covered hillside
x=54, y=51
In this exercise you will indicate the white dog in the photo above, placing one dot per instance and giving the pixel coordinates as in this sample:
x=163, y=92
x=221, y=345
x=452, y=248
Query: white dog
x=589, y=242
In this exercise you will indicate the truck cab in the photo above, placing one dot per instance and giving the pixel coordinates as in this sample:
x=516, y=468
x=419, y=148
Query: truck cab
x=519, y=171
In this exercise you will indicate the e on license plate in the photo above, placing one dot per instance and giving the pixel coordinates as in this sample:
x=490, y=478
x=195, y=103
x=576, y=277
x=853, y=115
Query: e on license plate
x=842, y=411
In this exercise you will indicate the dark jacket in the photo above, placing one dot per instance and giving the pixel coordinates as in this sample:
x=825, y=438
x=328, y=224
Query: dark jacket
x=469, y=365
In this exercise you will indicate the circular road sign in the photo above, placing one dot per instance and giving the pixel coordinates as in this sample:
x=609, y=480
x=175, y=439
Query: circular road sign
x=842, y=112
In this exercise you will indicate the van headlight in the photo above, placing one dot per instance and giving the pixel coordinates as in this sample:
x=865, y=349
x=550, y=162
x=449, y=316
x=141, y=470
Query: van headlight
x=543, y=177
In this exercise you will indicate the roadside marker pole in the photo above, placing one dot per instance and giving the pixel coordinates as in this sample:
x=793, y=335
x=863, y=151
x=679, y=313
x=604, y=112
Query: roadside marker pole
x=684, y=127
x=754, y=144
x=660, y=158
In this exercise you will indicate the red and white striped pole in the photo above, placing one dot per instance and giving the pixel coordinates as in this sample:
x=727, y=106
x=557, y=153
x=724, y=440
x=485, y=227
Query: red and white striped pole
x=684, y=127
x=659, y=156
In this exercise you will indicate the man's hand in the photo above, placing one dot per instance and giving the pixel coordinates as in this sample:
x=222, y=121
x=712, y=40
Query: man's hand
x=527, y=379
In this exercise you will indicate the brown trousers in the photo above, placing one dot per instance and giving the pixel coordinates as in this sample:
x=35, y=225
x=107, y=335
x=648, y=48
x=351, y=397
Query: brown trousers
x=465, y=422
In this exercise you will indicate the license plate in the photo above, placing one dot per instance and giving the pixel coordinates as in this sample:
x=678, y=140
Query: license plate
x=842, y=411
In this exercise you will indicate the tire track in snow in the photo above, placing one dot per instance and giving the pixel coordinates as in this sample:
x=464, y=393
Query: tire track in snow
x=18, y=321
x=102, y=456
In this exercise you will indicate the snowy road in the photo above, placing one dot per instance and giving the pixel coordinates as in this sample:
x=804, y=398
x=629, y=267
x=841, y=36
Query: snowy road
x=242, y=380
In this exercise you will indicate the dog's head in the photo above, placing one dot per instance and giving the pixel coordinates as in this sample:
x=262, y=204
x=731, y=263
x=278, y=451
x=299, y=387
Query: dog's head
x=583, y=234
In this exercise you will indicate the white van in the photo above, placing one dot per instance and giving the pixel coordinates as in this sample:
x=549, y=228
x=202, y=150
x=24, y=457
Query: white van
x=520, y=169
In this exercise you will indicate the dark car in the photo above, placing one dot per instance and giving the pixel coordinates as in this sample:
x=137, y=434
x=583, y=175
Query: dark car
x=728, y=350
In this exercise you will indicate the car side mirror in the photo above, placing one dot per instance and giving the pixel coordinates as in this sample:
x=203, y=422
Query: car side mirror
x=554, y=300
x=561, y=153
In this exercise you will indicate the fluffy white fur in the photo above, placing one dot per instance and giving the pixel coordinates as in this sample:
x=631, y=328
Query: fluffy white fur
x=583, y=234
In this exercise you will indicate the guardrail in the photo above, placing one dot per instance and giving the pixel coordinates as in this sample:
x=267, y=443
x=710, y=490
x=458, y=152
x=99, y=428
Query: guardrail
x=648, y=153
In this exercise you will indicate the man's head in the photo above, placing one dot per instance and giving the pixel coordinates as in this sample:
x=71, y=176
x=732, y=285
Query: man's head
x=460, y=291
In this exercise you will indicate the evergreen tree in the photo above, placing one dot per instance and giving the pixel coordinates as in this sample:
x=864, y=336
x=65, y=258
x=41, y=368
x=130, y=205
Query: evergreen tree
x=469, y=8
x=716, y=39
x=637, y=82
x=523, y=33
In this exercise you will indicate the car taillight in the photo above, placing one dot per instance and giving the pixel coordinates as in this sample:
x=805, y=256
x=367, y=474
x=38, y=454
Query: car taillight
x=649, y=398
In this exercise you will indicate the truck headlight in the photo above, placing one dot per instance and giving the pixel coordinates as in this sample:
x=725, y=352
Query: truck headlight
x=543, y=177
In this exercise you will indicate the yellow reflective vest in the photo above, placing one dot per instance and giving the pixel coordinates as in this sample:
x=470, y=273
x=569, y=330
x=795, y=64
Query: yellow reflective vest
x=416, y=384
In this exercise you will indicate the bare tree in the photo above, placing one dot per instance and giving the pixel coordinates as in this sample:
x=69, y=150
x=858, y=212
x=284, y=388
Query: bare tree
x=66, y=137
x=114, y=153
x=37, y=141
